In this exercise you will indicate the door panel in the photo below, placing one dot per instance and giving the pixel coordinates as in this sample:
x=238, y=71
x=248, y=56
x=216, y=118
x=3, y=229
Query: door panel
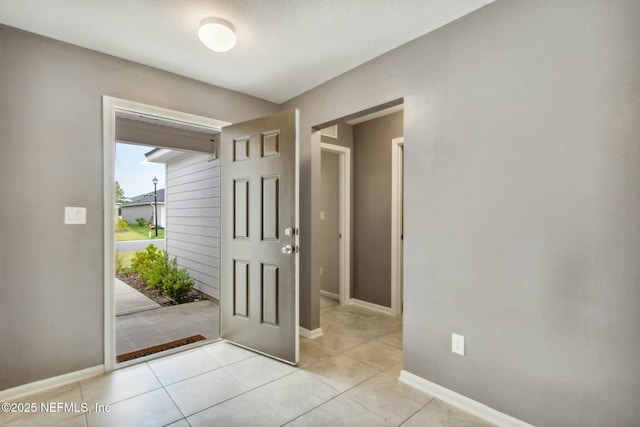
x=259, y=286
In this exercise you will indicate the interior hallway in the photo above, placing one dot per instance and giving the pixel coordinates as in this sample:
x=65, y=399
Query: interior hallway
x=347, y=377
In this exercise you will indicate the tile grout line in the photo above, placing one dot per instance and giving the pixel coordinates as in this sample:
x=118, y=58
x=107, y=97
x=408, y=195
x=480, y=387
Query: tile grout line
x=242, y=382
x=420, y=409
x=86, y=417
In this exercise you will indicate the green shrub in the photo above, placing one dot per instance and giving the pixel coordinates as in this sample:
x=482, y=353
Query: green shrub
x=176, y=283
x=122, y=225
x=151, y=265
x=142, y=222
x=155, y=269
x=122, y=263
x=158, y=271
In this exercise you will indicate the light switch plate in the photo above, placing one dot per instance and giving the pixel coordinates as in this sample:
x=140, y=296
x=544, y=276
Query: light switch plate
x=321, y=215
x=75, y=215
x=457, y=344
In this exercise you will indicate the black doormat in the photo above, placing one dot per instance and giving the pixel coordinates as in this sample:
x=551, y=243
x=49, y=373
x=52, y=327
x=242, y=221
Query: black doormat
x=158, y=348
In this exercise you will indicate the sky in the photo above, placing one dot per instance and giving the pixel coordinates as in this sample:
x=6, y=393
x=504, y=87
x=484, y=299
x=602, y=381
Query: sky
x=133, y=173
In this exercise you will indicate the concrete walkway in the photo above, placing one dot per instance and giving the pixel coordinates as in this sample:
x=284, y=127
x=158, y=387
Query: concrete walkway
x=129, y=300
x=142, y=323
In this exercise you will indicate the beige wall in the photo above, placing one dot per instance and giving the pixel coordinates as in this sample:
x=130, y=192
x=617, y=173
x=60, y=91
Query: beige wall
x=371, y=209
x=51, y=274
x=521, y=130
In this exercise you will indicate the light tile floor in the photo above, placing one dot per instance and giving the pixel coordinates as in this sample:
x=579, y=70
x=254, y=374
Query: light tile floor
x=348, y=377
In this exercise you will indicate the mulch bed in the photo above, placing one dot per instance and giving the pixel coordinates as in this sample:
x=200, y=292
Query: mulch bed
x=154, y=294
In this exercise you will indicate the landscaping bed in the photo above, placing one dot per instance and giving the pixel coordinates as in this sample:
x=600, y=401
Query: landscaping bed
x=152, y=273
x=154, y=294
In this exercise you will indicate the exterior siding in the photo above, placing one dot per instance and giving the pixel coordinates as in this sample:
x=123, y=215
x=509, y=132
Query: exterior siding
x=193, y=218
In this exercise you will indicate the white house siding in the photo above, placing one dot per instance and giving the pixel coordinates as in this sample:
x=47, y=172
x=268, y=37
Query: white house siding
x=193, y=218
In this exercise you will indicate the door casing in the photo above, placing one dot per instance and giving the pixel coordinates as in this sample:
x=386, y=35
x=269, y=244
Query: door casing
x=110, y=106
x=397, y=147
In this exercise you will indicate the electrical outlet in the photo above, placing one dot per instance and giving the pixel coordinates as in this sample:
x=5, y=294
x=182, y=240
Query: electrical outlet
x=457, y=344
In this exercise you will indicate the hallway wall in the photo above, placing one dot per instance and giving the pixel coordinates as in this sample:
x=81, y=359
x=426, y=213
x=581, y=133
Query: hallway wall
x=371, y=273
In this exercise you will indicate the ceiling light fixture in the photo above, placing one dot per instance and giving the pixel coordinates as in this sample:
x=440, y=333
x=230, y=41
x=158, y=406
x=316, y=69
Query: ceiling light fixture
x=217, y=34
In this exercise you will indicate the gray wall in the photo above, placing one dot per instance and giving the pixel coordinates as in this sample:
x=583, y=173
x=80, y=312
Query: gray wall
x=371, y=209
x=522, y=185
x=330, y=225
x=51, y=274
x=193, y=218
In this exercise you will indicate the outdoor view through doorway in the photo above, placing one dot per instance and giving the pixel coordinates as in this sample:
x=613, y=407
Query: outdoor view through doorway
x=161, y=302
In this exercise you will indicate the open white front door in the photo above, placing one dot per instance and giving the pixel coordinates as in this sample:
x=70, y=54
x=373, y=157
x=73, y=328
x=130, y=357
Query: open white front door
x=259, y=235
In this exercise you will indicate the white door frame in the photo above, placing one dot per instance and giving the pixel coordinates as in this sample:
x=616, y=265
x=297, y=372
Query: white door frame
x=110, y=106
x=396, y=225
x=344, y=168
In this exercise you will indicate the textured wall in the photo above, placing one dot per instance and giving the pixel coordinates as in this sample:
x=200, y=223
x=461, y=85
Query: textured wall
x=522, y=123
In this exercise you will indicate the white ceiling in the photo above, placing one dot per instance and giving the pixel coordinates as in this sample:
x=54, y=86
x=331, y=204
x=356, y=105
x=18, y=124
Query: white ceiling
x=285, y=47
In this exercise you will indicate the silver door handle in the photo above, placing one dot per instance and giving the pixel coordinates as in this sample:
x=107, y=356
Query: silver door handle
x=288, y=249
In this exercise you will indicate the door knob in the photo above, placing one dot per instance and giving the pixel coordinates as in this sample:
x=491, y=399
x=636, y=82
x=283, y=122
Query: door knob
x=288, y=249
x=289, y=231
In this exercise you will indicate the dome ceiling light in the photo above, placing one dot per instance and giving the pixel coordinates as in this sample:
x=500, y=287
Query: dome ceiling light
x=217, y=34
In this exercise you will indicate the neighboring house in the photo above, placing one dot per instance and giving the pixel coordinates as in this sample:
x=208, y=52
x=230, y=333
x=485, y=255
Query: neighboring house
x=193, y=214
x=142, y=206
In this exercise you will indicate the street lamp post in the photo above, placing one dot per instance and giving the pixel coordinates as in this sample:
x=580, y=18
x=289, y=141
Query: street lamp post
x=155, y=202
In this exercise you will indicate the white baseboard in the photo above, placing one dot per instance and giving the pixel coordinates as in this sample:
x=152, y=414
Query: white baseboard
x=49, y=383
x=370, y=305
x=330, y=295
x=469, y=405
x=304, y=332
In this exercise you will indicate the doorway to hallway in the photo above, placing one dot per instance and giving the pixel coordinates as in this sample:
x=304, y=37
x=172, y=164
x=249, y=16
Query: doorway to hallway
x=360, y=214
